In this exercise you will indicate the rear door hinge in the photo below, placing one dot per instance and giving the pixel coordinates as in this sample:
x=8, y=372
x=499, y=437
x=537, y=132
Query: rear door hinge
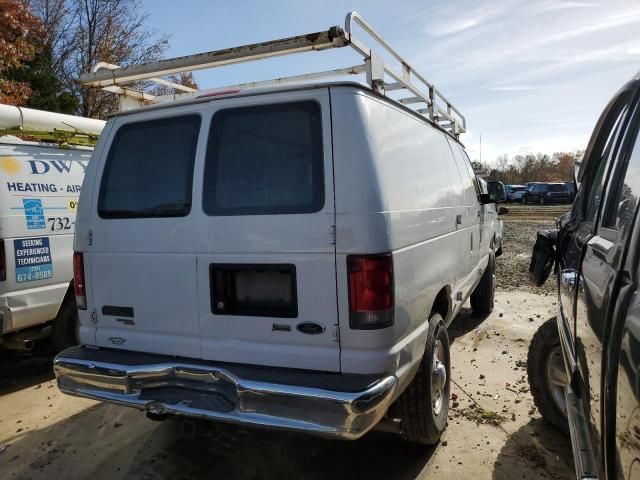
x=90, y=237
x=336, y=334
x=94, y=316
x=332, y=235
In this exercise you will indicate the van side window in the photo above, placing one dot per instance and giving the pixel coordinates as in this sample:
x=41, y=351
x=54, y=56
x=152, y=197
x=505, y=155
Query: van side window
x=149, y=169
x=265, y=160
x=467, y=163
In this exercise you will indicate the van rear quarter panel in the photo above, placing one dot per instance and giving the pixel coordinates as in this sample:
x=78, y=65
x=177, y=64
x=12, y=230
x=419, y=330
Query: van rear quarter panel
x=397, y=190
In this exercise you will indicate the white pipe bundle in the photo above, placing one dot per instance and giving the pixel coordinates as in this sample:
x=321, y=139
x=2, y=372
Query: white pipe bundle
x=29, y=119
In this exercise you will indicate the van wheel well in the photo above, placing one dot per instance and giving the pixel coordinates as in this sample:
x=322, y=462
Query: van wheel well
x=441, y=304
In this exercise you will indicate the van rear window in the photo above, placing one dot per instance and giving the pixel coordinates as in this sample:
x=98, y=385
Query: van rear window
x=265, y=160
x=149, y=169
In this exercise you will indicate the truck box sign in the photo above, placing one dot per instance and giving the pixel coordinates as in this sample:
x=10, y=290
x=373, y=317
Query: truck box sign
x=33, y=259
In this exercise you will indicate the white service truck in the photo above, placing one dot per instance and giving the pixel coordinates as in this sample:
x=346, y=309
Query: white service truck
x=40, y=183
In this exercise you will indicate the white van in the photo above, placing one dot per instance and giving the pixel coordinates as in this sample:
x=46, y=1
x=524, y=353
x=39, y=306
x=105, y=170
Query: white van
x=40, y=183
x=288, y=257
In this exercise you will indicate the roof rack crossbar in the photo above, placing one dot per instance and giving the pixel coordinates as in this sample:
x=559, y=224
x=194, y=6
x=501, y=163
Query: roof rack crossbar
x=438, y=108
x=338, y=72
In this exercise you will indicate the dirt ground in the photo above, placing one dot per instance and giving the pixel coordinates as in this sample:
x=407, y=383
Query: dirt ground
x=494, y=431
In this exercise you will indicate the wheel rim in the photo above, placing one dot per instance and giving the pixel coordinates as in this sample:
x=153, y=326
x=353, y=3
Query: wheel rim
x=438, y=378
x=557, y=378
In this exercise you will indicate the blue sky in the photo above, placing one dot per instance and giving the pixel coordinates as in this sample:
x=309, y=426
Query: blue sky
x=530, y=76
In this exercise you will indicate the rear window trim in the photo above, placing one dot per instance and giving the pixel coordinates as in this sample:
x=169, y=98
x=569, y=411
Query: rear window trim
x=255, y=211
x=167, y=119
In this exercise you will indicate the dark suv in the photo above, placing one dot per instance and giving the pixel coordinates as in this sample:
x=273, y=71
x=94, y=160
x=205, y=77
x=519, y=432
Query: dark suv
x=584, y=366
x=544, y=193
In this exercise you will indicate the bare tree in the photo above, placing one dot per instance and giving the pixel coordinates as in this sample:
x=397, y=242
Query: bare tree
x=111, y=31
x=81, y=33
x=58, y=20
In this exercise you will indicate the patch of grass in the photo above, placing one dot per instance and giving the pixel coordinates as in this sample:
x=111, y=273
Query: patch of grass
x=481, y=416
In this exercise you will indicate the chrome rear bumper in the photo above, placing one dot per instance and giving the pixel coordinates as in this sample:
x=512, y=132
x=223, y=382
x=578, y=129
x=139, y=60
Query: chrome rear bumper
x=322, y=404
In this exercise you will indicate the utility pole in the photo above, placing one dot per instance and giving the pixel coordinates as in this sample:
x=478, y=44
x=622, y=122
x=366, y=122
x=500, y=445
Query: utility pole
x=480, y=148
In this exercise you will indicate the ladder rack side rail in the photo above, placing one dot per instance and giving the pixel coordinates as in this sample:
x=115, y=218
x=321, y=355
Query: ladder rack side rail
x=354, y=17
x=332, y=38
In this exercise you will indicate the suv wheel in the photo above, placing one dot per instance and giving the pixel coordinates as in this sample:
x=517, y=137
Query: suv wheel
x=64, y=331
x=547, y=375
x=482, y=298
x=424, y=406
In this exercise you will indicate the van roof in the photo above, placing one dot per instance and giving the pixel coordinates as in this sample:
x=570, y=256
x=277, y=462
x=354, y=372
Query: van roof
x=254, y=91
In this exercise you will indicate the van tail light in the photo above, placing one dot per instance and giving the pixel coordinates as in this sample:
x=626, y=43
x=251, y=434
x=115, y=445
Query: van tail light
x=78, y=281
x=3, y=263
x=370, y=291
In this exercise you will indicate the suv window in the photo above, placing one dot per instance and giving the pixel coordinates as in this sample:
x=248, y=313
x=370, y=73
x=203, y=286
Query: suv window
x=265, y=160
x=625, y=187
x=149, y=169
x=597, y=157
x=557, y=188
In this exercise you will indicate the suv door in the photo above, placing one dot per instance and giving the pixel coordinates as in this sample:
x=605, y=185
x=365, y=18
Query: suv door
x=621, y=385
x=589, y=262
x=265, y=244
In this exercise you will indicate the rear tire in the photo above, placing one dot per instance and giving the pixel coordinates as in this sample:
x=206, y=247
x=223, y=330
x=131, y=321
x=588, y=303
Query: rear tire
x=64, y=331
x=423, y=407
x=546, y=388
x=482, y=298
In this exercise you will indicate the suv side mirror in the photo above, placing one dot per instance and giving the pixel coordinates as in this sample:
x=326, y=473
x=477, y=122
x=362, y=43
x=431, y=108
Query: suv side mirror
x=496, y=193
x=502, y=210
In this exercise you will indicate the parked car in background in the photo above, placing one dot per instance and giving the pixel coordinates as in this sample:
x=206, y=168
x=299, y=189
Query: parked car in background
x=546, y=193
x=571, y=186
x=40, y=183
x=291, y=262
x=584, y=366
x=514, y=193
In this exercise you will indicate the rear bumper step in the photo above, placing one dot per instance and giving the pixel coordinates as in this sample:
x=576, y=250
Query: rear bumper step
x=317, y=403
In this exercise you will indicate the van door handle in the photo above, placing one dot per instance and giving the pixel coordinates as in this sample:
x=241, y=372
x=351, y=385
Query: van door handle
x=458, y=219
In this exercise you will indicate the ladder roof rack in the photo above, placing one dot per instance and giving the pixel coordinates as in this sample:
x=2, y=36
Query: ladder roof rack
x=40, y=125
x=414, y=91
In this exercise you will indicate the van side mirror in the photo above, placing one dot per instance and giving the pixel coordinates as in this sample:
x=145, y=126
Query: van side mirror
x=497, y=193
x=503, y=210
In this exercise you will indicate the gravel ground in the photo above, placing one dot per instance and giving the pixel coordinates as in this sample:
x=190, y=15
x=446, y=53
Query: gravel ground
x=520, y=227
x=494, y=430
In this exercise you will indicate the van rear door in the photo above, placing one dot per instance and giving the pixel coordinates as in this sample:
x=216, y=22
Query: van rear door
x=265, y=242
x=139, y=246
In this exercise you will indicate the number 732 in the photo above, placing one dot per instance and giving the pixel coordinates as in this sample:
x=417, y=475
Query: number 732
x=59, y=223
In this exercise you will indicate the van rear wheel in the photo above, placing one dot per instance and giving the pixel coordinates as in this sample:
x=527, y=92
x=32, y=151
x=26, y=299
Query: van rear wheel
x=482, y=298
x=424, y=406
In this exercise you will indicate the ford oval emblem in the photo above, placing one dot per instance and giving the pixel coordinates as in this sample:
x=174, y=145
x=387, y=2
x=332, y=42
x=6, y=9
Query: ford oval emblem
x=310, y=328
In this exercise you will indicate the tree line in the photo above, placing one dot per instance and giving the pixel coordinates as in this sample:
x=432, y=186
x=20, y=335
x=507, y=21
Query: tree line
x=46, y=44
x=522, y=169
